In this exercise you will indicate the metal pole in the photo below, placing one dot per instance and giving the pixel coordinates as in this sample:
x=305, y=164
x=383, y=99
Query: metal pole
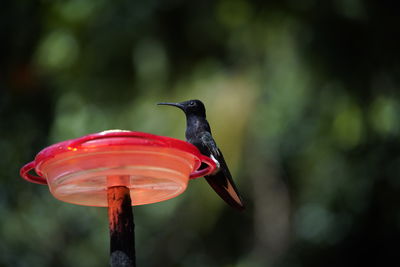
x=121, y=224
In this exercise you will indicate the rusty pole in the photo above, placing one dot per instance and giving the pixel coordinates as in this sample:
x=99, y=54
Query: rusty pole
x=121, y=224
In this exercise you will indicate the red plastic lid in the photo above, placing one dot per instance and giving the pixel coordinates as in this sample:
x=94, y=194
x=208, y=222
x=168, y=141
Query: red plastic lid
x=154, y=167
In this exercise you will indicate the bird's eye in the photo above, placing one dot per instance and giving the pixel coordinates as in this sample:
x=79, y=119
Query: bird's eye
x=191, y=103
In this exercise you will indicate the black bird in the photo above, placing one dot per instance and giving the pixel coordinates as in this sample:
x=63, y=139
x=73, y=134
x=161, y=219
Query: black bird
x=198, y=133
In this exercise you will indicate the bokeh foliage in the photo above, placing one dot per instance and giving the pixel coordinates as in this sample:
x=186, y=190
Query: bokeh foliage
x=302, y=97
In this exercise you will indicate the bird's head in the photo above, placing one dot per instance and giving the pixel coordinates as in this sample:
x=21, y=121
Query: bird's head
x=190, y=107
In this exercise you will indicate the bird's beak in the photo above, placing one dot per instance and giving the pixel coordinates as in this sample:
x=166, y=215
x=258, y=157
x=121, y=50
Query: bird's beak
x=178, y=105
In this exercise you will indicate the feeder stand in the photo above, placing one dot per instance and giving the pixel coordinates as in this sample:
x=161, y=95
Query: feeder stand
x=118, y=169
x=122, y=227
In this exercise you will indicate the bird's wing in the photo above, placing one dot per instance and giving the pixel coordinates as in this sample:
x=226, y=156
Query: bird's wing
x=208, y=141
x=221, y=181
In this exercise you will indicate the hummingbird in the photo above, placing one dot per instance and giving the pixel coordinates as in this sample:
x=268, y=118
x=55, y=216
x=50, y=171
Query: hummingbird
x=198, y=133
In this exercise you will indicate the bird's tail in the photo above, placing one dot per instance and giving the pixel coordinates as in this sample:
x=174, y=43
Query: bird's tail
x=223, y=184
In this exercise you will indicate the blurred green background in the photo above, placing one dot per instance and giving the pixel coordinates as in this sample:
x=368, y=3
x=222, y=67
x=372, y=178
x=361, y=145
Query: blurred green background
x=302, y=97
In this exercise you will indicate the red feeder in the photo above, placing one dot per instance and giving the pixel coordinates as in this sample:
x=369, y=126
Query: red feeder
x=154, y=168
x=111, y=168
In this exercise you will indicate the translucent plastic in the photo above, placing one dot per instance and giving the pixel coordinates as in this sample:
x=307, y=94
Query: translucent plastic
x=153, y=168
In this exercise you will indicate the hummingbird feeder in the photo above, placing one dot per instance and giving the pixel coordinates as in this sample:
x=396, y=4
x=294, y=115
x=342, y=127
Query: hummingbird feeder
x=118, y=169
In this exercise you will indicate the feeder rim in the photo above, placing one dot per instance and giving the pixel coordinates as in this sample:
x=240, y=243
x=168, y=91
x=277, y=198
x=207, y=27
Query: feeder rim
x=148, y=140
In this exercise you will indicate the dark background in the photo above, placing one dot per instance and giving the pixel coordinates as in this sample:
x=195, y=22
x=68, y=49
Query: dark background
x=302, y=97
